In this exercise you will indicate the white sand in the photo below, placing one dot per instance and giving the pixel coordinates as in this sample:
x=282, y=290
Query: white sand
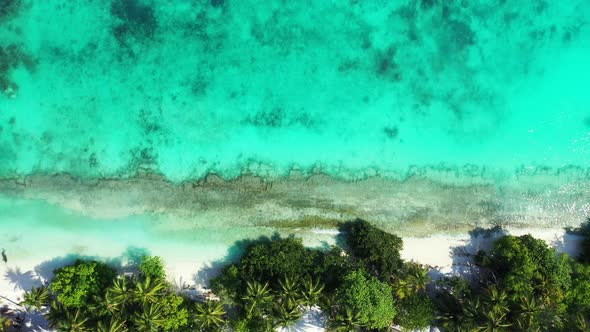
x=188, y=267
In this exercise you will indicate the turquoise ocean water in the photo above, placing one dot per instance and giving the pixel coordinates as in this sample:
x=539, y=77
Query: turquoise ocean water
x=489, y=90
x=105, y=88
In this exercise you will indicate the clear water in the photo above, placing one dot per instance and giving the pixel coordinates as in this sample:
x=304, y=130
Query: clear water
x=101, y=88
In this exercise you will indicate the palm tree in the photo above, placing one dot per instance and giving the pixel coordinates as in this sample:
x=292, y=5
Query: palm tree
x=402, y=288
x=472, y=310
x=287, y=316
x=417, y=277
x=105, y=306
x=119, y=295
x=74, y=321
x=289, y=293
x=209, y=315
x=525, y=325
x=37, y=298
x=257, y=294
x=349, y=321
x=56, y=313
x=5, y=323
x=269, y=325
x=113, y=325
x=329, y=304
x=496, y=298
x=312, y=290
x=455, y=322
x=148, y=291
x=494, y=321
x=582, y=323
x=528, y=311
x=148, y=319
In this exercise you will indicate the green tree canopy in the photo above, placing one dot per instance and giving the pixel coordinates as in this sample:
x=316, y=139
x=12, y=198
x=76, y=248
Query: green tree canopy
x=415, y=312
x=578, y=298
x=269, y=261
x=152, y=267
x=379, y=250
x=369, y=297
x=174, y=314
x=526, y=265
x=76, y=285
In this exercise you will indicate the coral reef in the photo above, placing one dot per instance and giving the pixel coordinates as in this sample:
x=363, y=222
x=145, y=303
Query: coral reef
x=134, y=19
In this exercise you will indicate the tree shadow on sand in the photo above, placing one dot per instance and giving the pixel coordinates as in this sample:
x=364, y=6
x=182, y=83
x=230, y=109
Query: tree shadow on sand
x=480, y=239
x=22, y=280
x=575, y=240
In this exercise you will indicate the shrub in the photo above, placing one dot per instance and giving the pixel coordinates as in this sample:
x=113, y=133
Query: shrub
x=152, y=267
x=228, y=283
x=369, y=297
x=77, y=285
x=415, y=312
x=269, y=261
x=525, y=265
x=377, y=249
x=174, y=316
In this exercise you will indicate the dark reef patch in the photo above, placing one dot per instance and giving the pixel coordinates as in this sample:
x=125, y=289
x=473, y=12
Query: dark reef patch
x=217, y=3
x=142, y=158
x=386, y=66
x=11, y=57
x=9, y=8
x=149, y=122
x=135, y=19
x=461, y=35
x=277, y=117
x=391, y=132
x=273, y=118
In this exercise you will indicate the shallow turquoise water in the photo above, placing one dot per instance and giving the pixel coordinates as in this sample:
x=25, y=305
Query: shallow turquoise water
x=99, y=88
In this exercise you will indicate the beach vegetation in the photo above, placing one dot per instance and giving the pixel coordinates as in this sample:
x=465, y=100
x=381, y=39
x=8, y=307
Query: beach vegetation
x=152, y=267
x=90, y=296
x=521, y=284
x=277, y=279
x=378, y=250
x=369, y=298
x=76, y=286
x=5, y=323
x=209, y=315
x=36, y=298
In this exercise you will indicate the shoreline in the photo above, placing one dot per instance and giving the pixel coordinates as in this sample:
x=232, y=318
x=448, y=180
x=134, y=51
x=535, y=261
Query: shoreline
x=415, y=206
x=196, y=227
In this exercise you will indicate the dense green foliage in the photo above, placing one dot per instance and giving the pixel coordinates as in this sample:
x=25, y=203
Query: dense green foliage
x=268, y=261
x=525, y=286
x=89, y=296
x=415, y=312
x=378, y=250
x=152, y=267
x=277, y=279
x=521, y=285
x=76, y=285
x=370, y=298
